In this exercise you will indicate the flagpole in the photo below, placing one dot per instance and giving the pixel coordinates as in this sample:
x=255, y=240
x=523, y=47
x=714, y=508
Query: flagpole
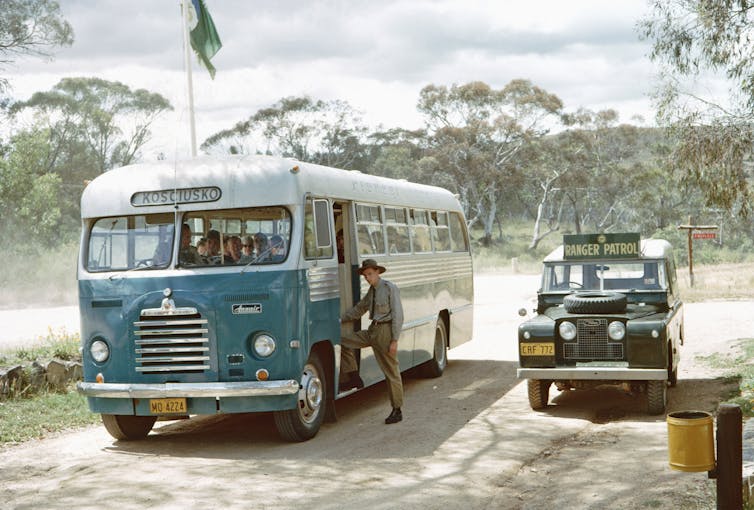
x=187, y=51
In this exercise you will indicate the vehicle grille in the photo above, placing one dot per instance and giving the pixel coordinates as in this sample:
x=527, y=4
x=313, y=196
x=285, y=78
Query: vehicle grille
x=592, y=342
x=174, y=344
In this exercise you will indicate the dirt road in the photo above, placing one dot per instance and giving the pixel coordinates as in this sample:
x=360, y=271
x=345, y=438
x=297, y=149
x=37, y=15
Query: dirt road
x=468, y=441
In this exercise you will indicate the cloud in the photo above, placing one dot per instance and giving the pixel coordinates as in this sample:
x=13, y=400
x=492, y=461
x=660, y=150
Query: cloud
x=375, y=55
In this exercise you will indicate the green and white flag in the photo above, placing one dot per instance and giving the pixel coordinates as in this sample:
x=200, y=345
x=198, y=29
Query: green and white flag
x=204, y=38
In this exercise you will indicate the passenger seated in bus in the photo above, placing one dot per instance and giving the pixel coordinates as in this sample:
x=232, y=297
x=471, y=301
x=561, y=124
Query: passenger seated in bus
x=247, y=249
x=187, y=255
x=213, y=247
x=232, y=252
x=201, y=247
x=277, y=248
x=261, y=247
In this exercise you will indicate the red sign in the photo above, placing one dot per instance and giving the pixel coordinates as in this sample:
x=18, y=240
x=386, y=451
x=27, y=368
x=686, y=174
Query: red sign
x=704, y=235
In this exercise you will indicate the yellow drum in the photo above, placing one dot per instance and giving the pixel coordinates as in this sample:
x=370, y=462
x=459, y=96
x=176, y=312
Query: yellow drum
x=690, y=444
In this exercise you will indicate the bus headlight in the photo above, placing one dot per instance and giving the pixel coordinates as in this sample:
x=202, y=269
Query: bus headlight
x=264, y=345
x=567, y=330
x=616, y=330
x=100, y=351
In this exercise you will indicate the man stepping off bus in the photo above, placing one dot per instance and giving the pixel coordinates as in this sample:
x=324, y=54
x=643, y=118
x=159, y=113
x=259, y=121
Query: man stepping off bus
x=383, y=302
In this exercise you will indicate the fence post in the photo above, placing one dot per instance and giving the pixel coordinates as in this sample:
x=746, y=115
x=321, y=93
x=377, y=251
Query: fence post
x=729, y=457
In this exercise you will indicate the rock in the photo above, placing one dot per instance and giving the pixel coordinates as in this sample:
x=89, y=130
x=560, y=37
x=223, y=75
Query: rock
x=56, y=374
x=10, y=379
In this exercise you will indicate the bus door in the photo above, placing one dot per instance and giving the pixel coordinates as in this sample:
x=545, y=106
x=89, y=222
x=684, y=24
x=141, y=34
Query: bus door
x=348, y=280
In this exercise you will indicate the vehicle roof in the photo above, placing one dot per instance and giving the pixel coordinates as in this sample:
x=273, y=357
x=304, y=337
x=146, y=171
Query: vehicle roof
x=650, y=249
x=251, y=181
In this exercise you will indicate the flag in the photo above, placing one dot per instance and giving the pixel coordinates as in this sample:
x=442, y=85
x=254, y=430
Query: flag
x=204, y=38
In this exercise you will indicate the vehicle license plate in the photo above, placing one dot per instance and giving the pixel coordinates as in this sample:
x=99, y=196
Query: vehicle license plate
x=537, y=349
x=167, y=406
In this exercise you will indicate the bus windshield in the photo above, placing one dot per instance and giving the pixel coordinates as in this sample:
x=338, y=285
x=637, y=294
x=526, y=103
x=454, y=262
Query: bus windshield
x=621, y=276
x=258, y=235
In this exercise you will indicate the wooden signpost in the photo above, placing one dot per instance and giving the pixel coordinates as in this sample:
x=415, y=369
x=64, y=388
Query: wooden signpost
x=706, y=232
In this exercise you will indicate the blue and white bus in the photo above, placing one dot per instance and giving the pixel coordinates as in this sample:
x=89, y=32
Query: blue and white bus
x=169, y=332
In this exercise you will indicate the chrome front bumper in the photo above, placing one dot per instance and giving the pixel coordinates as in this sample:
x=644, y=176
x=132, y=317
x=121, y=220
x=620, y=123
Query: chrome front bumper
x=594, y=373
x=189, y=390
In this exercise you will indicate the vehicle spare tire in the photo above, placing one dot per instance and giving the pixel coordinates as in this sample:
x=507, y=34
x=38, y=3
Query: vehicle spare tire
x=595, y=302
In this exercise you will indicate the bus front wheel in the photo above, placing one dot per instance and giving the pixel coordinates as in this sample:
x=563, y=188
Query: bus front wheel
x=127, y=428
x=303, y=422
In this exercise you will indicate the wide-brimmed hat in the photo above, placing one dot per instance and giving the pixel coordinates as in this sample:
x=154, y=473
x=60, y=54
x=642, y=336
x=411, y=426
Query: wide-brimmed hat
x=371, y=263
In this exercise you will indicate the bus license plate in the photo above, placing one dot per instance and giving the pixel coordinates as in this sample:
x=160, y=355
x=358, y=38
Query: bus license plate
x=537, y=349
x=167, y=406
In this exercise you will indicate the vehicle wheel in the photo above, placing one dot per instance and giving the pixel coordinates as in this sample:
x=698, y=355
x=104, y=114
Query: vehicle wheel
x=672, y=372
x=539, y=393
x=126, y=427
x=436, y=366
x=595, y=302
x=657, y=396
x=673, y=378
x=303, y=422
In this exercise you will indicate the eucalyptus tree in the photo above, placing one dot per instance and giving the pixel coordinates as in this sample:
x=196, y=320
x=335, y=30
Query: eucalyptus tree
x=701, y=45
x=30, y=28
x=476, y=133
x=107, y=118
x=324, y=132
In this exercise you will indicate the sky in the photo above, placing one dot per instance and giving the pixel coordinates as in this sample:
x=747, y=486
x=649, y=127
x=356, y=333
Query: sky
x=377, y=55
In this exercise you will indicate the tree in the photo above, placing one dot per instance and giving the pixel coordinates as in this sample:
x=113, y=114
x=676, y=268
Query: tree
x=476, y=134
x=694, y=40
x=324, y=132
x=30, y=197
x=93, y=113
x=30, y=27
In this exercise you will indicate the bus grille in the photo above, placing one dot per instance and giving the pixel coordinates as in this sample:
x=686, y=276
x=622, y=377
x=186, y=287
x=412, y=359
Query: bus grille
x=592, y=342
x=171, y=344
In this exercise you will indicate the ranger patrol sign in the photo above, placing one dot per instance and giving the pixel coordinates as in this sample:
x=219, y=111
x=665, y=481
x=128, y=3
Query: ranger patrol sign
x=601, y=246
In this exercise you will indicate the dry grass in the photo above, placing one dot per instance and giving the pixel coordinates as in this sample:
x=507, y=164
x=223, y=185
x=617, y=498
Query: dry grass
x=722, y=281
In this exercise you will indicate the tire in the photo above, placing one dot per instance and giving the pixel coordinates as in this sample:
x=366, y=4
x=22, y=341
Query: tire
x=539, y=393
x=303, y=423
x=595, y=302
x=672, y=373
x=436, y=366
x=657, y=396
x=126, y=427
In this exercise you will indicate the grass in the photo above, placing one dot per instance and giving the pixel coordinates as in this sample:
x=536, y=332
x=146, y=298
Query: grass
x=27, y=413
x=740, y=367
x=25, y=419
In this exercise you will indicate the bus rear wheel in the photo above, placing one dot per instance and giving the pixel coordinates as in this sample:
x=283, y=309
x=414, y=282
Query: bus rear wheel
x=126, y=427
x=303, y=422
x=436, y=366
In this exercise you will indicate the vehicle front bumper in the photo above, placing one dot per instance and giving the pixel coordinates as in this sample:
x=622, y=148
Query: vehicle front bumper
x=594, y=373
x=188, y=390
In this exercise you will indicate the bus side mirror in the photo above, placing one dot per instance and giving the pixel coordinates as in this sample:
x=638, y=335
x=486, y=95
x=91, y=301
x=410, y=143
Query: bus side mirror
x=522, y=312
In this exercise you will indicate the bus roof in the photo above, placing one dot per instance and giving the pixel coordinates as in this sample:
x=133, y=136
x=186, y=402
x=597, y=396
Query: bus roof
x=650, y=249
x=246, y=181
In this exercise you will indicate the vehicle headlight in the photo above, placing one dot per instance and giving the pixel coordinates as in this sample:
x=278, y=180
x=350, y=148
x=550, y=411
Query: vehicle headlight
x=100, y=351
x=567, y=330
x=264, y=345
x=616, y=330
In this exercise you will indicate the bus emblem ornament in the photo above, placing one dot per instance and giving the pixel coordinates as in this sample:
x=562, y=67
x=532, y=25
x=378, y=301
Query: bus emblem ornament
x=246, y=308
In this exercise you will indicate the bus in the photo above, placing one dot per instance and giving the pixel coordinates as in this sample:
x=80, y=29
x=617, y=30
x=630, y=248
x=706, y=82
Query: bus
x=168, y=332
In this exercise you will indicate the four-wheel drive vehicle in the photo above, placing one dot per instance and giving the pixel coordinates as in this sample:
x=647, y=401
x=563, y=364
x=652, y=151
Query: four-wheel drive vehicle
x=608, y=313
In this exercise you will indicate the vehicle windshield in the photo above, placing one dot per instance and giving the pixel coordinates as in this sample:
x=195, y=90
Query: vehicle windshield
x=619, y=276
x=251, y=236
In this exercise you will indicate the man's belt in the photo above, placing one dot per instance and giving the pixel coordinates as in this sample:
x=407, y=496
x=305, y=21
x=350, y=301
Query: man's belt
x=381, y=322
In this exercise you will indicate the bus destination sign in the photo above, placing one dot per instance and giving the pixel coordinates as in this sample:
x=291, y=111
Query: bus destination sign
x=602, y=246
x=176, y=196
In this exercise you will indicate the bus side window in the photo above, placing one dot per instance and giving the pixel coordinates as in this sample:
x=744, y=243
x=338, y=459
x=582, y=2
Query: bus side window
x=458, y=239
x=317, y=240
